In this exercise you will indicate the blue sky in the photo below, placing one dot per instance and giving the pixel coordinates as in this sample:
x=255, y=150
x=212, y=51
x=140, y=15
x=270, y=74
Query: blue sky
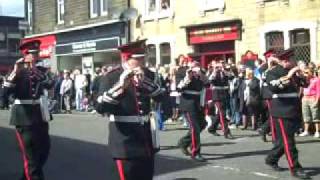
x=12, y=7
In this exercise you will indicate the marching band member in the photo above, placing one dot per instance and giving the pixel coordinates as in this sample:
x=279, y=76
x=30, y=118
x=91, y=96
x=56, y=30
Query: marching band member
x=191, y=87
x=284, y=82
x=27, y=83
x=125, y=95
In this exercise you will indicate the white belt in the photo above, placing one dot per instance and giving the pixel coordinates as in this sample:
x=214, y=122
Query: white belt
x=192, y=92
x=27, y=101
x=285, y=95
x=129, y=119
x=265, y=84
x=220, y=87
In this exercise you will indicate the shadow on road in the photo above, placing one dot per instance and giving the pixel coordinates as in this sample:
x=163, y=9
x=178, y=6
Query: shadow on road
x=76, y=160
x=202, y=144
x=236, y=155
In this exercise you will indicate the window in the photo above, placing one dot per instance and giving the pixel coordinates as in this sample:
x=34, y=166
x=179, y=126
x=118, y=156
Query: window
x=165, y=53
x=30, y=13
x=275, y=41
x=98, y=8
x=206, y=5
x=60, y=11
x=300, y=42
x=3, y=40
x=158, y=8
x=151, y=55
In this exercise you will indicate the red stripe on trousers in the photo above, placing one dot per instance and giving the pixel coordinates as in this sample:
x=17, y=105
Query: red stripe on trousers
x=24, y=155
x=120, y=169
x=272, y=125
x=221, y=117
x=286, y=144
x=193, y=136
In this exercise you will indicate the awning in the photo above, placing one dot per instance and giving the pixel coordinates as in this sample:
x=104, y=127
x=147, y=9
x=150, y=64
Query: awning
x=47, y=45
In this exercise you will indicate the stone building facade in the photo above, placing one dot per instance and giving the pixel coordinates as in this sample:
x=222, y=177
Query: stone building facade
x=80, y=34
x=223, y=29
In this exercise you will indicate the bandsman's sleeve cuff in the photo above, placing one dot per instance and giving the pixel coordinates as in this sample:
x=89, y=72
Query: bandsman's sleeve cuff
x=8, y=84
x=109, y=99
x=157, y=92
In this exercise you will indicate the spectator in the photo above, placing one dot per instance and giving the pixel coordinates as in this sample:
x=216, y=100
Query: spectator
x=66, y=91
x=80, y=84
x=249, y=99
x=310, y=103
x=4, y=100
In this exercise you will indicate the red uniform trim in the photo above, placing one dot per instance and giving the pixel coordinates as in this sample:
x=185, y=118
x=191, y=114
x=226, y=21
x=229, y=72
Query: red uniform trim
x=221, y=117
x=272, y=125
x=286, y=144
x=120, y=169
x=193, y=135
x=24, y=156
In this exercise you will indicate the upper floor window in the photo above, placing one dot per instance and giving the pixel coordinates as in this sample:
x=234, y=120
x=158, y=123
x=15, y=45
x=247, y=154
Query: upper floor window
x=206, y=5
x=300, y=42
x=98, y=8
x=60, y=11
x=275, y=40
x=158, y=8
x=30, y=13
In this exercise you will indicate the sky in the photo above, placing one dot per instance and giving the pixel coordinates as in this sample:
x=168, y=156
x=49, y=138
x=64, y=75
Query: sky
x=12, y=7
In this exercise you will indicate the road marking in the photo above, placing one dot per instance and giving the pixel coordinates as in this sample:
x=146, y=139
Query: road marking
x=264, y=175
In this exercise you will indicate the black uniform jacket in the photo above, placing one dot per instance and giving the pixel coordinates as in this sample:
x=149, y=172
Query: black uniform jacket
x=27, y=85
x=219, y=84
x=190, y=92
x=126, y=139
x=284, y=107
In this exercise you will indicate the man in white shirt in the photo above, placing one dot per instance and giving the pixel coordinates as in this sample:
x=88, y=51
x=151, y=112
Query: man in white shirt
x=80, y=84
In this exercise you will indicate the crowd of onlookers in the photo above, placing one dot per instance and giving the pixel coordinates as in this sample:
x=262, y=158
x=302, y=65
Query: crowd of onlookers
x=76, y=91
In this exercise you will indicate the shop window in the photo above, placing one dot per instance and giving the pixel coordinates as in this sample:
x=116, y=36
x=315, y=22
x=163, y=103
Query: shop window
x=158, y=8
x=13, y=45
x=300, y=42
x=275, y=41
x=60, y=11
x=151, y=59
x=30, y=13
x=165, y=53
x=3, y=41
x=98, y=8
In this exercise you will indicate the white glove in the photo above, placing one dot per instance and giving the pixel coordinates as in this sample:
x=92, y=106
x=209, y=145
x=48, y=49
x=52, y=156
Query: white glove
x=125, y=76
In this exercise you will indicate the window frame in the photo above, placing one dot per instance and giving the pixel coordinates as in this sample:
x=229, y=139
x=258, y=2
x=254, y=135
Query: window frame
x=60, y=11
x=102, y=4
x=92, y=14
x=158, y=13
x=213, y=5
x=30, y=13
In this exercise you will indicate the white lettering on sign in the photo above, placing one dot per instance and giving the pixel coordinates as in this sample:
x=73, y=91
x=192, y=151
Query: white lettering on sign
x=84, y=45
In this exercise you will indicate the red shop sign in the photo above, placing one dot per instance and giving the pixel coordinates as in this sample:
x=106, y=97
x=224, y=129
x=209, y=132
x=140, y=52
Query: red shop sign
x=46, y=46
x=213, y=34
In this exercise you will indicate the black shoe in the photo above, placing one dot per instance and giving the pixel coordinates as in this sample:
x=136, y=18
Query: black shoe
x=198, y=158
x=274, y=166
x=300, y=174
x=228, y=135
x=184, y=150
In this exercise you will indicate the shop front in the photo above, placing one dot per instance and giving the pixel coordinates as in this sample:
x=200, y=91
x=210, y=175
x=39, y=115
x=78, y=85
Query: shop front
x=214, y=41
x=88, y=48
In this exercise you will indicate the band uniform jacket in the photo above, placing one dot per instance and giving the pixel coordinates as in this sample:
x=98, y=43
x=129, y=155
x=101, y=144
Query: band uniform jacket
x=265, y=91
x=128, y=140
x=284, y=107
x=190, y=93
x=219, y=82
x=27, y=85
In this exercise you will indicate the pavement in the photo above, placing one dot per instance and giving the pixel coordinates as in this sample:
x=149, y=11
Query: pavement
x=79, y=152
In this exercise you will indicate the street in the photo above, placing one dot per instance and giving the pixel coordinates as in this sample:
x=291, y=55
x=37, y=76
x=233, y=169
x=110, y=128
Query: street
x=79, y=152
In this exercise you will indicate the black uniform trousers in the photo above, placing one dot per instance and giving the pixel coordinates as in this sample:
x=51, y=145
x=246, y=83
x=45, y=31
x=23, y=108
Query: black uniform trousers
x=219, y=117
x=285, y=143
x=197, y=124
x=34, y=143
x=134, y=169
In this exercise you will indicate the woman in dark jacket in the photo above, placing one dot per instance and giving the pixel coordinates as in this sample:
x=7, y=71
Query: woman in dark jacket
x=249, y=95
